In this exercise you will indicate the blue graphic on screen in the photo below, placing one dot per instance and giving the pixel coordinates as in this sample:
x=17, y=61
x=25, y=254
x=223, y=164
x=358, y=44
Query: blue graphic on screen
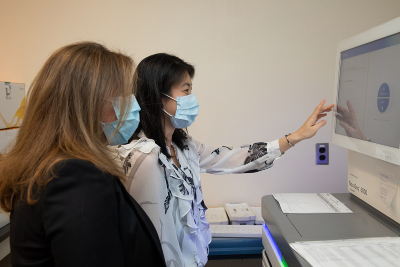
x=368, y=100
x=383, y=97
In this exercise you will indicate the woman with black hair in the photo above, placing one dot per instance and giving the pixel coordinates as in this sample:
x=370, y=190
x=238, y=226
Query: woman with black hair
x=163, y=163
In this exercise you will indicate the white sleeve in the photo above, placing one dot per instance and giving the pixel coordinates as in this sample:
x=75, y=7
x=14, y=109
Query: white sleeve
x=147, y=185
x=223, y=160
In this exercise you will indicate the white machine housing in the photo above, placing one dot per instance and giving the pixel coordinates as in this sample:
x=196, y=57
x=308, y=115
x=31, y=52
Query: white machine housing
x=364, y=181
x=372, y=149
x=368, y=160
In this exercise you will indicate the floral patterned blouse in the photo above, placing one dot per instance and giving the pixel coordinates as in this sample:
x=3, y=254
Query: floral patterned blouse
x=172, y=195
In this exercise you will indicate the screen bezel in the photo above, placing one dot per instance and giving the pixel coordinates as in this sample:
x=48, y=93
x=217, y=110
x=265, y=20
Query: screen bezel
x=375, y=150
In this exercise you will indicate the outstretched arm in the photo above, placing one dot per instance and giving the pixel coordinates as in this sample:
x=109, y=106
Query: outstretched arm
x=308, y=129
x=259, y=156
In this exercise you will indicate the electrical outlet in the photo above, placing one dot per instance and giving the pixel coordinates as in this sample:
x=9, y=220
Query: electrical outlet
x=322, y=153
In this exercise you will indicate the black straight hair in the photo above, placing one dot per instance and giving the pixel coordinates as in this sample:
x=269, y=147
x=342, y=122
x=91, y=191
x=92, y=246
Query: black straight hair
x=155, y=75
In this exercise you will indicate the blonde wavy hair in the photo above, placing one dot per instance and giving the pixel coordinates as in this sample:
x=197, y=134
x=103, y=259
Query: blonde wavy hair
x=66, y=102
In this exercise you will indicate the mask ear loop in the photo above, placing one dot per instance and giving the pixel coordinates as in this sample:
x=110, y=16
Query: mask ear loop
x=167, y=113
x=170, y=97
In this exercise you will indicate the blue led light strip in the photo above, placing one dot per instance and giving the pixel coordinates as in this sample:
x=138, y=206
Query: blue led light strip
x=274, y=246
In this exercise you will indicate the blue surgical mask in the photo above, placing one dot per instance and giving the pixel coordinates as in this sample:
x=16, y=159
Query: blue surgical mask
x=128, y=127
x=186, y=111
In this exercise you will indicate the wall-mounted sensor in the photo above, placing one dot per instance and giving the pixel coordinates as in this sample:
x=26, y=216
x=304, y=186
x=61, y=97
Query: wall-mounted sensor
x=322, y=154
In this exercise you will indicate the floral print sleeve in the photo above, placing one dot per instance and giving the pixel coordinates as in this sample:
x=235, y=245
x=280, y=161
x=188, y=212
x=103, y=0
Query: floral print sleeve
x=223, y=160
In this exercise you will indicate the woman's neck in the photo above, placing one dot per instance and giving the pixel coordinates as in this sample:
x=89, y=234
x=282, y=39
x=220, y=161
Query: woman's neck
x=169, y=130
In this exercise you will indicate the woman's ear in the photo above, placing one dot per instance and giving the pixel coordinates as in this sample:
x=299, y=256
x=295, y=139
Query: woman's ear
x=163, y=101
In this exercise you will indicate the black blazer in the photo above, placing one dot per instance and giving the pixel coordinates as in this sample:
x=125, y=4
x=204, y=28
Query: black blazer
x=83, y=218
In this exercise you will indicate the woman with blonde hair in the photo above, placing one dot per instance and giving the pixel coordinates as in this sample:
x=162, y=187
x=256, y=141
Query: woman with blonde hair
x=59, y=181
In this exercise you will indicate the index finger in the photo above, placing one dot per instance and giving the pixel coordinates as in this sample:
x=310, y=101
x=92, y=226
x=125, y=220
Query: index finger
x=328, y=107
x=318, y=108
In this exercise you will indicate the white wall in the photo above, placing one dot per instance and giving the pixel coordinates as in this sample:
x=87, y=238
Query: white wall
x=262, y=67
